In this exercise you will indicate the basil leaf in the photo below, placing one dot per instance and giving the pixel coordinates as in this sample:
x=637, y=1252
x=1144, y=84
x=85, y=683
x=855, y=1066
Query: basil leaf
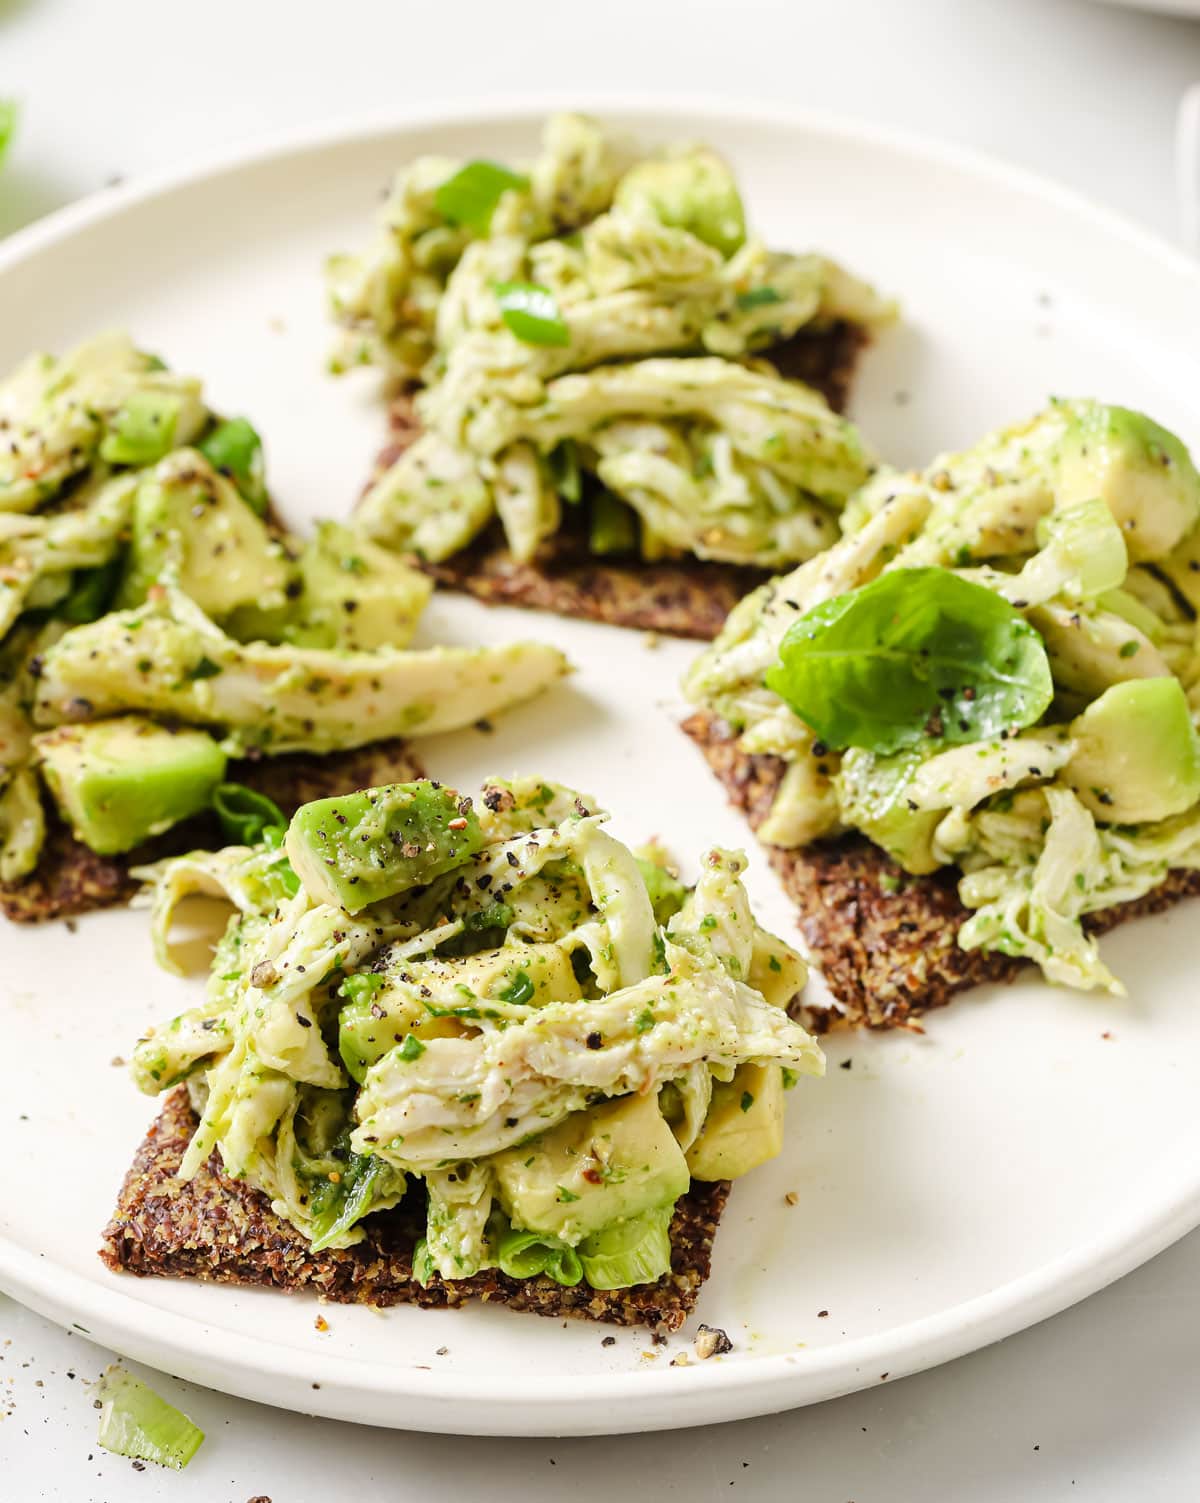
x=246, y=816
x=917, y=654
x=469, y=198
x=531, y=312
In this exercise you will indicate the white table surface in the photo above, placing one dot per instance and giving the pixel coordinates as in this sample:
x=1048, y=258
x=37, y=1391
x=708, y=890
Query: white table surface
x=1099, y=1403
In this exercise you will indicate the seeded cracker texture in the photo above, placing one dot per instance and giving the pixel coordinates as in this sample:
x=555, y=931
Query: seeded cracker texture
x=683, y=597
x=69, y=878
x=222, y=1231
x=885, y=942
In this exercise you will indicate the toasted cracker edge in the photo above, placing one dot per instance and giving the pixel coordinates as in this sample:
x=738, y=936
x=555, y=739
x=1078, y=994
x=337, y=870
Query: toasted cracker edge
x=885, y=942
x=221, y=1230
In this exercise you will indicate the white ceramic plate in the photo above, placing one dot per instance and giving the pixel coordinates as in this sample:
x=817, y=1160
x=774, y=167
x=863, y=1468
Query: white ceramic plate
x=953, y=1188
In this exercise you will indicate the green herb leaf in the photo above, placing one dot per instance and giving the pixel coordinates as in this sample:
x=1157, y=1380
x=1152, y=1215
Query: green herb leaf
x=245, y=815
x=135, y=1421
x=758, y=297
x=235, y=448
x=337, y=1205
x=532, y=314
x=412, y=1048
x=470, y=197
x=360, y=987
x=204, y=668
x=519, y=989
x=918, y=654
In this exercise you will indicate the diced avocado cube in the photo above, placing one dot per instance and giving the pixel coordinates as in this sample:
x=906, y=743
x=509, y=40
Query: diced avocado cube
x=872, y=795
x=118, y=782
x=1137, y=756
x=1142, y=472
x=744, y=1125
x=360, y=848
x=693, y=191
x=355, y=595
x=597, y=1167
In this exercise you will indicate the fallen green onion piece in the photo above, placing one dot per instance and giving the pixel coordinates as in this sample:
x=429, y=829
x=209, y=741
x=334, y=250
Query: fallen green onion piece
x=636, y=1251
x=532, y=313
x=135, y=1422
x=8, y=124
x=245, y=815
x=470, y=197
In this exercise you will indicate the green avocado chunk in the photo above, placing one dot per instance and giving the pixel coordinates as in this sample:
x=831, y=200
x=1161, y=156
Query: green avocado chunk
x=356, y=595
x=1138, y=754
x=117, y=782
x=191, y=520
x=693, y=191
x=744, y=1125
x=872, y=792
x=597, y=1167
x=1142, y=472
x=360, y=848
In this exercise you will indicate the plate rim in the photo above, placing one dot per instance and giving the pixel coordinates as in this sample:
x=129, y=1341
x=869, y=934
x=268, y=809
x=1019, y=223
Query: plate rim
x=695, y=1394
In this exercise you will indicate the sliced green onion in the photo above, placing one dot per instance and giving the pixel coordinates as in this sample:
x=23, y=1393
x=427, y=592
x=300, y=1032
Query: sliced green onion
x=525, y=1255
x=565, y=475
x=636, y=1251
x=422, y=1264
x=758, y=297
x=470, y=197
x=245, y=815
x=92, y=591
x=135, y=1422
x=142, y=430
x=531, y=312
x=613, y=525
x=235, y=448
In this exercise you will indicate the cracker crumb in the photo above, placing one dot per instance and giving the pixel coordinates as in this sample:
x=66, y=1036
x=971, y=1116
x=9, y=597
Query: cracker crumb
x=791, y=1198
x=712, y=1341
x=321, y=1324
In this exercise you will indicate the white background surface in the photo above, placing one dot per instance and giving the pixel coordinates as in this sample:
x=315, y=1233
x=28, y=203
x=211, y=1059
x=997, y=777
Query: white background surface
x=1107, y=1393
